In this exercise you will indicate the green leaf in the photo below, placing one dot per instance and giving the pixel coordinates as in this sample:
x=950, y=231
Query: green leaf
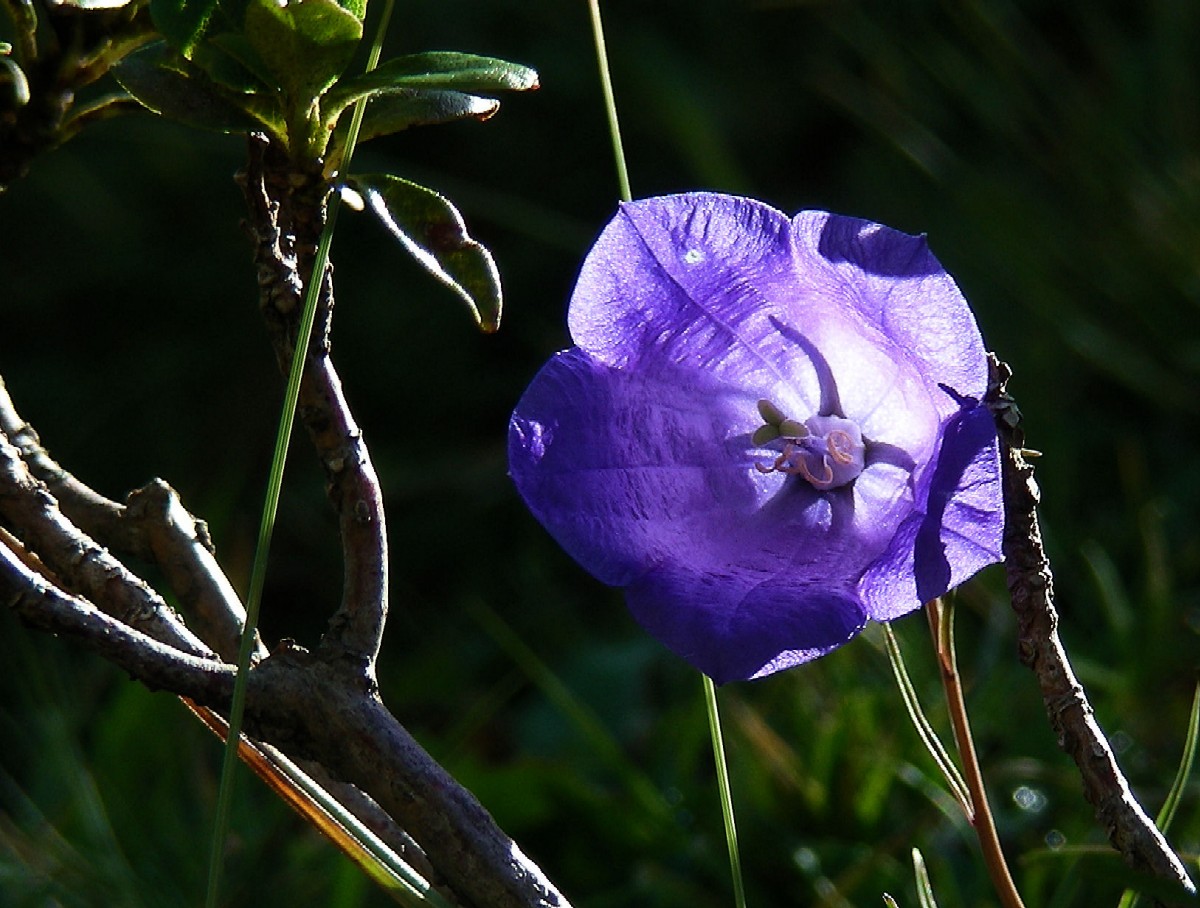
x=179, y=91
x=393, y=112
x=241, y=55
x=306, y=44
x=442, y=70
x=229, y=60
x=433, y=232
x=182, y=22
x=356, y=8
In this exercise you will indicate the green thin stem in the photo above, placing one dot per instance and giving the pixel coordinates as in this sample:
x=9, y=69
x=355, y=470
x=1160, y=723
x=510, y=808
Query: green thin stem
x=718, y=746
x=610, y=102
x=1130, y=897
x=710, y=690
x=266, y=527
x=929, y=737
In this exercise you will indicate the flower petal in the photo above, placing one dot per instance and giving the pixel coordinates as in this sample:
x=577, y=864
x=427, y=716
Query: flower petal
x=735, y=628
x=896, y=284
x=624, y=470
x=695, y=280
x=956, y=532
x=630, y=473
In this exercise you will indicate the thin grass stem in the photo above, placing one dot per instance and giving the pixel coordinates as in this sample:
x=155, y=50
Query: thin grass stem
x=1130, y=898
x=718, y=746
x=266, y=528
x=924, y=886
x=610, y=102
x=929, y=737
x=710, y=690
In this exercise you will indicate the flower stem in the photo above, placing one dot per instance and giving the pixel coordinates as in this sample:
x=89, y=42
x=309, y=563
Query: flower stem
x=266, y=528
x=718, y=746
x=941, y=626
x=610, y=103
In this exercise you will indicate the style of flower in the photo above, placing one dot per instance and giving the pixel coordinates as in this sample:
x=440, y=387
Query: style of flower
x=770, y=430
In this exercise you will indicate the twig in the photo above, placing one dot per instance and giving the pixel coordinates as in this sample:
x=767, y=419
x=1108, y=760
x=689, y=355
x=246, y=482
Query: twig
x=286, y=212
x=153, y=525
x=159, y=666
x=179, y=544
x=1031, y=587
x=315, y=708
x=84, y=566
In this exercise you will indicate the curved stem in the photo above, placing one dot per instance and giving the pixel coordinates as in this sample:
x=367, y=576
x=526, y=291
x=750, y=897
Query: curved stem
x=941, y=625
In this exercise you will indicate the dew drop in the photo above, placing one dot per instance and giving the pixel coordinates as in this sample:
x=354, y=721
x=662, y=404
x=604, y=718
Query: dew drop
x=1029, y=799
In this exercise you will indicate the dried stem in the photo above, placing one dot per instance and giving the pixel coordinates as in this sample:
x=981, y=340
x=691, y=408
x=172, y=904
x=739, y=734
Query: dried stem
x=941, y=626
x=317, y=709
x=43, y=605
x=1031, y=587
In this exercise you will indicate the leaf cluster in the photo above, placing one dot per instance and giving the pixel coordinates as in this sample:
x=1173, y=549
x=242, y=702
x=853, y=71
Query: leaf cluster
x=280, y=69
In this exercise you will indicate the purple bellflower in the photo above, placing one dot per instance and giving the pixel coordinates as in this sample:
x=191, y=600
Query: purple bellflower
x=770, y=430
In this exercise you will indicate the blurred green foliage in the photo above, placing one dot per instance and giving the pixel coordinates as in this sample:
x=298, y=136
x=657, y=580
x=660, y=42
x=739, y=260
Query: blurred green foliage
x=1051, y=150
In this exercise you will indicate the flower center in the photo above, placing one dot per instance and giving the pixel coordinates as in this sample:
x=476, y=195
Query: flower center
x=826, y=450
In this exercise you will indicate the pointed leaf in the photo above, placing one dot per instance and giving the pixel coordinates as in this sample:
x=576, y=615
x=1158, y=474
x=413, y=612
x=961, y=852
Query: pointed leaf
x=433, y=232
x=439, y=70
x=395, y=111
x=179, y=91
x=305, y=43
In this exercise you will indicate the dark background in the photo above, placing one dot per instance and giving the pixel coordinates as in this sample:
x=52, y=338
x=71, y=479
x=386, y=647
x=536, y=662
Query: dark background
x=1051, y=150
